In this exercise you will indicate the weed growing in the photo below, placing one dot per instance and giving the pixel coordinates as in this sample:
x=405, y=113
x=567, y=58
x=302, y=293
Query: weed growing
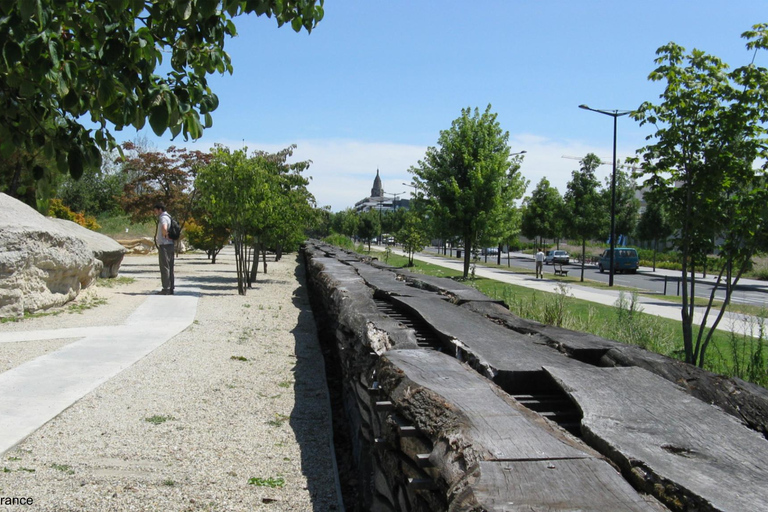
x=267, y=482
x=157, y=419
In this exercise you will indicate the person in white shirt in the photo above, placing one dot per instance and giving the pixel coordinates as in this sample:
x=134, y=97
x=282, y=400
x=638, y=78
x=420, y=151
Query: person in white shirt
x=539, y=264
x=165, y=249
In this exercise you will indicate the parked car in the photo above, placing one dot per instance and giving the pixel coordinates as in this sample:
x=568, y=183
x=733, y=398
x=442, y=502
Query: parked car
x=560, y=257
x=625, y=259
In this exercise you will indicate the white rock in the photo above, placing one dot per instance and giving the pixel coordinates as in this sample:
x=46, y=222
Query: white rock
x=41, y=264
x=104, y=248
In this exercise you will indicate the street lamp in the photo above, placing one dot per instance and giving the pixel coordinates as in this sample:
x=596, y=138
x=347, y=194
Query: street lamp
x=615, y=114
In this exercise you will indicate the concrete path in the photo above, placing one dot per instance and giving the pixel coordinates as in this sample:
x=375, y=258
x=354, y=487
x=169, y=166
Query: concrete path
x=658, y=307
x=37, y=391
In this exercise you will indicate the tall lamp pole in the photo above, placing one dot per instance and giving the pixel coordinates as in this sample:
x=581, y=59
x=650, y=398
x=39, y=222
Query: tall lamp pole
x=615, y=114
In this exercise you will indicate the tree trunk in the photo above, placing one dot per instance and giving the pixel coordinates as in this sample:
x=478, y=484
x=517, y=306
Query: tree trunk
x=655, y=248
x=264, y=253
x=467, y=250
x=583, y=256
x=255, y=264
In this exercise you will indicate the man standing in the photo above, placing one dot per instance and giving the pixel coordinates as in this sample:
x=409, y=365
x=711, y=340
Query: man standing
x=540, y=264
x=165, y=249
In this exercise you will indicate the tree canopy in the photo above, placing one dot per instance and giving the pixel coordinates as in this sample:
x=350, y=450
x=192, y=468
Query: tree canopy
x=470, y=180
x=710, y=135
x=586, y=211
x=104, y=60
x=543, y=214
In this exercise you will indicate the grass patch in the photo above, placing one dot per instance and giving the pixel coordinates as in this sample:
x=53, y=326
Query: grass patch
x=112, y=282
x=63, y=468
x=86, y=304
x=239, y=358
x=157, y=419
x=267, y=482
x=278, y=421
x=284, y=384
x=120, y=226
x=168, y=482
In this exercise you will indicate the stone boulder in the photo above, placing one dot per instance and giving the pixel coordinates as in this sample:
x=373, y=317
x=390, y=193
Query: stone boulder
x=103, y=247
x=41, y=264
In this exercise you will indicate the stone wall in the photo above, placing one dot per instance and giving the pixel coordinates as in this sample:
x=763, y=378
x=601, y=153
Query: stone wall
x=453, y=403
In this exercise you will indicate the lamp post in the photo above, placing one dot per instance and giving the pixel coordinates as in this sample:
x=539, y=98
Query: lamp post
x=615, y=114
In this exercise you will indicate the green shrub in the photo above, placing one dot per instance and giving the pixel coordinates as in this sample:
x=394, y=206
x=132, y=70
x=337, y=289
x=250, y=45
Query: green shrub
x=340, y=241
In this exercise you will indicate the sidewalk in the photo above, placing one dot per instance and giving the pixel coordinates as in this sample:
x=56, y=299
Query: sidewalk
x=658, y=307
x=204, y=400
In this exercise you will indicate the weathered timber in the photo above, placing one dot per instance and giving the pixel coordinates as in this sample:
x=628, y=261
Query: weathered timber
x=686, y=452
x=493, y=350
x=443, y=428
x=459, y=293
x=741, y=399
x=551, y=486
x=470, y=421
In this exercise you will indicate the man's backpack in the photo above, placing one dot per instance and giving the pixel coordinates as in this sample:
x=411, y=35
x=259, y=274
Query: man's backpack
x=174, y=230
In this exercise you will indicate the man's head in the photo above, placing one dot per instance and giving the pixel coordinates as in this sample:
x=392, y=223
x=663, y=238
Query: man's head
x=159, y=208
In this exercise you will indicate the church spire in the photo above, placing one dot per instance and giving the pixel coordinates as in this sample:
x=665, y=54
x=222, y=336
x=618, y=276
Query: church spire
x=377, y=191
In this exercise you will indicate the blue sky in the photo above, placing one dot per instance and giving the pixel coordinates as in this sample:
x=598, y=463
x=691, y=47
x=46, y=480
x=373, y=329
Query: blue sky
x=372, y=86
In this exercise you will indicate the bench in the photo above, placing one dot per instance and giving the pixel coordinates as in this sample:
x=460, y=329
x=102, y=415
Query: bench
x=559, y=270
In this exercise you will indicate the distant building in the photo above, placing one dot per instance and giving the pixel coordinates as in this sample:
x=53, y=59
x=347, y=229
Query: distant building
x=377, y=200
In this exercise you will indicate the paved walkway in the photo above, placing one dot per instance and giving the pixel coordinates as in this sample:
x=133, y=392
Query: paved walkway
x=658, y=307
x=37, y=391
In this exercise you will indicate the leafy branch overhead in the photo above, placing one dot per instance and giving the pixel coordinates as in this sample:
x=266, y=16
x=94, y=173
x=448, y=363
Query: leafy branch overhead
x=60, y=61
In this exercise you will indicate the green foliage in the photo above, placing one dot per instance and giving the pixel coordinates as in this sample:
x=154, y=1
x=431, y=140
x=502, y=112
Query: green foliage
x=104, y=60
x=340, y=241
x=710, y=133
x=412, y=235
x=585, y=207
x=261, y=199
x=58, y=210
x=345, y=222
x=203, y=234
x=627, y=204
x=369, y=226
x=543, y=212
x=160, y=177
x=158, y=419
x=98, y=190
x=267, y=482
x=468, y=184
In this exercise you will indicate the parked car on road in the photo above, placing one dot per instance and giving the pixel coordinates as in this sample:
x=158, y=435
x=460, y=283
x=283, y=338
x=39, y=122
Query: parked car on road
x=559, y=257
x=625, y=259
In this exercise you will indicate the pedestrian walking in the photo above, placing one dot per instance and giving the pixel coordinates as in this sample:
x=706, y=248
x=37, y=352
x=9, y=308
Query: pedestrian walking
x=165, y=249
x=539, y=264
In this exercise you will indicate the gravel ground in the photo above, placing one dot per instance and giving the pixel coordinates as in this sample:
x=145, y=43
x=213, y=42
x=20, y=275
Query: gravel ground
x=230, y=415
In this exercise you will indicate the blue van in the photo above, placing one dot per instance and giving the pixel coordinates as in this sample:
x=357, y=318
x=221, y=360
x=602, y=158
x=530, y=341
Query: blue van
x=624, y=260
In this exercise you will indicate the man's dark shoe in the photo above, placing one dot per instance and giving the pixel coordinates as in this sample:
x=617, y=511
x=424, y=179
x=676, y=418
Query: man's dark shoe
x=164, y=292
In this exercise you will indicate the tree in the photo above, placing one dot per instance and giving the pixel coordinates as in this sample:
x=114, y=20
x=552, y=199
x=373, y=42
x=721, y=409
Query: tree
x=98, y=190
x=67, y=60
x=411, y=234
x=585, y=207
x=156, y=177
x=261, y=198
x=368, y=226
x=203, y=234
x=542, y=215
x=345, y=222
x=470, y=181
x=710, y=132
x=627, y=204
x=230, y=189
x=654, y=223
